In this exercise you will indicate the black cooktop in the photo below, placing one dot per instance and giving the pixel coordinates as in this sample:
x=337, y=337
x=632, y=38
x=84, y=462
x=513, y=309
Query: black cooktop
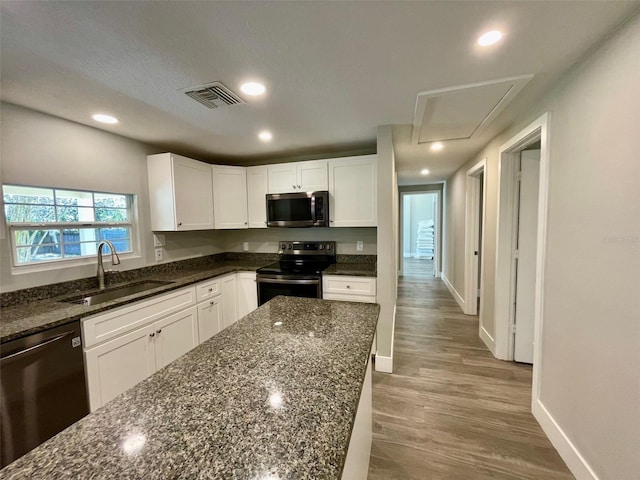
x=302, y=258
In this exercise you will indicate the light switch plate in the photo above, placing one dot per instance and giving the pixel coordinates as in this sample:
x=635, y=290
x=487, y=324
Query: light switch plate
x=359, y=245
x=158, y=254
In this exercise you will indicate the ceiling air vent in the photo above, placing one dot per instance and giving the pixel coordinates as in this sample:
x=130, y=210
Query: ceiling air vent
x=214, y=95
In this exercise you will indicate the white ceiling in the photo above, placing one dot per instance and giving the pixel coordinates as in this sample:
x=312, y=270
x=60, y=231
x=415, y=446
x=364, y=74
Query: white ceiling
x=334, y=70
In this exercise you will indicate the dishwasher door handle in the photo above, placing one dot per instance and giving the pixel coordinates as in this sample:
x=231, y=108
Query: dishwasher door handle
x=30, y=350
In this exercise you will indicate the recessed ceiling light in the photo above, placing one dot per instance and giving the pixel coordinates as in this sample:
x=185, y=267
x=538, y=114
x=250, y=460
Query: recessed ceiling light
x=253, y=88
x=424, y=171
x=102, y=118
x=437, y=146
x=265, y=136
x=489, y=38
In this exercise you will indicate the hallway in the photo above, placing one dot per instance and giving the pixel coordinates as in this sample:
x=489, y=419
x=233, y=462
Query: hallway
x=451, y=410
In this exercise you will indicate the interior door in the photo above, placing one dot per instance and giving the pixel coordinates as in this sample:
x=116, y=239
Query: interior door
x=526, y=262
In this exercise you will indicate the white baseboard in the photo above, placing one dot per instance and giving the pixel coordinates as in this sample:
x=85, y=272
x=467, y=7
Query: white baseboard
x=385, y=364
x=567, y=450
x=458, y=298
x=488, y=340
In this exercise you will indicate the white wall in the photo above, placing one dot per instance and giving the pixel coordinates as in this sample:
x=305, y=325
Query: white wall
x=265, y=240
x=590, y=380
x=387, y=244
x=41, y=150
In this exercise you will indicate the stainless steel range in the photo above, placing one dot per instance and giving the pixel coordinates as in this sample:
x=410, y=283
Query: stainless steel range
x=299, y=271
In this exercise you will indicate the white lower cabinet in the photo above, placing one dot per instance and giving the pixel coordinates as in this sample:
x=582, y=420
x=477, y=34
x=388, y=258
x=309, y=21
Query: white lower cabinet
x=247, y=293
x=128, y=344
x=209, y=318
x=229, y=300
x=349, y=288
x=116, y=365
x=174, y=336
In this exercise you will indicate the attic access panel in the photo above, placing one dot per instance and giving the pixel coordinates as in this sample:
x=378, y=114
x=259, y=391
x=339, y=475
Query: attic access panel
x=456, y=113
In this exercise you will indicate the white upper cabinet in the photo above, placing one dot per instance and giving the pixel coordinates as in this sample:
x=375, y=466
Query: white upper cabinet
x=180, y=193
x=257, y=189
x=298, y=177
x=282, y=178
x=312, y=176
x=353, y=186
x=229, y=197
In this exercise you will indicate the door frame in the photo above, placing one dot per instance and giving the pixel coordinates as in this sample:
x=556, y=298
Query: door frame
x=436, y=250
x=505, y=242
x=471, y=227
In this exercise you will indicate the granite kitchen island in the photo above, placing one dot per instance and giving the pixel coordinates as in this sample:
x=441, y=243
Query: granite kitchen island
x=274, y=396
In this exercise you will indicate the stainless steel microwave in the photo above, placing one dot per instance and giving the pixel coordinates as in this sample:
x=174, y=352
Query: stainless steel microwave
x=301, y=209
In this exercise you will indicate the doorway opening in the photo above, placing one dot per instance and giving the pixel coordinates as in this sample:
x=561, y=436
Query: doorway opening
x=521, y=247
x=419, y=233
x=474, y=239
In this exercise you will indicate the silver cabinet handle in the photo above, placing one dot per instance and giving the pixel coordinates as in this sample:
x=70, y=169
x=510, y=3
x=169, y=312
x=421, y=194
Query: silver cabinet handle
x=212, y=303
x=246, y=223
x=179, y=224
x=299, y=187
x=152, y=334
x=211, y=289
x=159, y=331
x=348, y=286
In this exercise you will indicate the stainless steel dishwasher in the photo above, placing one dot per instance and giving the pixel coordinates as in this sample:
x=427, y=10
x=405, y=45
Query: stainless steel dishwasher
x=43, y=388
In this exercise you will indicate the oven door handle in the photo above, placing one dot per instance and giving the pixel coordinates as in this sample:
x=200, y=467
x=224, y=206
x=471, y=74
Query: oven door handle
x=290, y=281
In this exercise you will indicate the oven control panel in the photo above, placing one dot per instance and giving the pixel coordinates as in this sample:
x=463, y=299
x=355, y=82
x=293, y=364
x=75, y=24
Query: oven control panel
x=307, y=248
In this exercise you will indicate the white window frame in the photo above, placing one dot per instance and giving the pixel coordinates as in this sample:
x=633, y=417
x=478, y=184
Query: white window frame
x=65, y=262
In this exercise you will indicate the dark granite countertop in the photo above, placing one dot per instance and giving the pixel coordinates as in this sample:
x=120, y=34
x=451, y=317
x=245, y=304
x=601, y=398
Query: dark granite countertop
x=355, y=269
x=24, y=319
x=260, y=400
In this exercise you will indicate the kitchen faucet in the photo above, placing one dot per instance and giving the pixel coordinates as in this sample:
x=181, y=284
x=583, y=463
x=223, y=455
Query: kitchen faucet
x=115, y=260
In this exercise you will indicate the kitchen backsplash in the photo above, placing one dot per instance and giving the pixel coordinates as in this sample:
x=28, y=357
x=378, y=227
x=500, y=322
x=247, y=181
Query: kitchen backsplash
x=83, y=284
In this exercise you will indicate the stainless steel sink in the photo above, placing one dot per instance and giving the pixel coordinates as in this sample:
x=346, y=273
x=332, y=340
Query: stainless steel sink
x=97, y=297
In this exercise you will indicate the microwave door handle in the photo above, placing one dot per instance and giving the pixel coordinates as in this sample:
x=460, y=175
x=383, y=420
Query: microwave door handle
x=313, y=209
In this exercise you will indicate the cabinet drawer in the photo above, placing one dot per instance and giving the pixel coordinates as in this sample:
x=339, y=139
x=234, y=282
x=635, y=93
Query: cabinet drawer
x=208, y=289
x=349, y=285
x=346, y=297
x=105, y=326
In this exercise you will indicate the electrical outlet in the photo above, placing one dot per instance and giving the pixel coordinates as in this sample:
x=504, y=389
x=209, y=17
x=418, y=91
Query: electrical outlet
x=359, y=245
x=245, y=246
x=158, y=254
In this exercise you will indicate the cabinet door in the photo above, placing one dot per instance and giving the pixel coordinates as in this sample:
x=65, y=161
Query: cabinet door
x=257, y=189
x=209, y=319
x=117, y=365
x=353, y=184
x=247, y=293
x=174, y=336
x=229, y=197
x=229, y=300
x=282, y=178
x=312, y=176
x=193, y=194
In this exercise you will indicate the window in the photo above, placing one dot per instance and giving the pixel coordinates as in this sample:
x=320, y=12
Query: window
x=52, y=225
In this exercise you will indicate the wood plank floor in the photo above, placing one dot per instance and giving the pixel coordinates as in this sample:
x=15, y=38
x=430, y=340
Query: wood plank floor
x=417, y=267
x=451, y=410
